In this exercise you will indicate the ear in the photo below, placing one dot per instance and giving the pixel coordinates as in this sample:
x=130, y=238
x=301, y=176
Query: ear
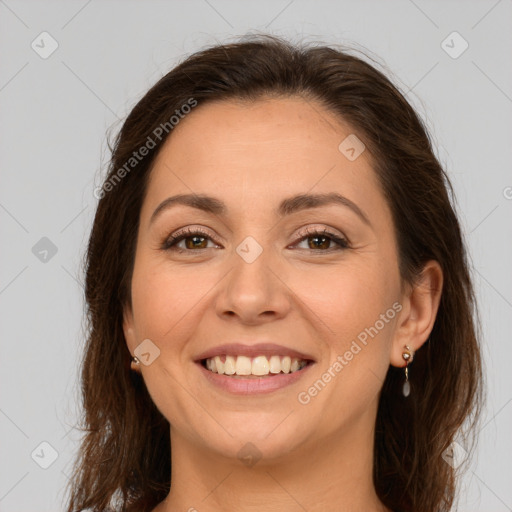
x=420, y=304
x=129, y=334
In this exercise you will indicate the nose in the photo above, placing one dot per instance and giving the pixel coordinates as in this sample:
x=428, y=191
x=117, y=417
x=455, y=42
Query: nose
x=253, y=292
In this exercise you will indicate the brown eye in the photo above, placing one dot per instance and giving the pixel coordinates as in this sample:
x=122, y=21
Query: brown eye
x=197, y=242
x=320, y=241
x=193, y=240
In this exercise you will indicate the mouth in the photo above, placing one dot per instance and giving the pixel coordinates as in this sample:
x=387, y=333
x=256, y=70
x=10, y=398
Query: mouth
x=261, y=366
x=253, y=369
x=253, y=375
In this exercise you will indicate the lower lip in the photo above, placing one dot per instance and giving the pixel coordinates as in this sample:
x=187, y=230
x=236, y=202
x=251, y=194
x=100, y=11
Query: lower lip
x=254, y=386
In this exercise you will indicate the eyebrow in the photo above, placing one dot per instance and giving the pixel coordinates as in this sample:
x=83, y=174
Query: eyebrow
x=288, y=206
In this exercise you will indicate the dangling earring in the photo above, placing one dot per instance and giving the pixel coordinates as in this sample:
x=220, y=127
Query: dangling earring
x=408, y=356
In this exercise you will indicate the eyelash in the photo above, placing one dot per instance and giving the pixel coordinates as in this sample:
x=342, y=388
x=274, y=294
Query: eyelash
x=170, y=243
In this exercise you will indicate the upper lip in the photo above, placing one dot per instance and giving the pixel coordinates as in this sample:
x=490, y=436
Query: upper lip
x=253, y=350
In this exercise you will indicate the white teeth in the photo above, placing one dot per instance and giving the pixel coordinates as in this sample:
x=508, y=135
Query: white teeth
x=275, y=364
x=229, y=365
x=259, y=366
x=219, y=364
x=243, y=365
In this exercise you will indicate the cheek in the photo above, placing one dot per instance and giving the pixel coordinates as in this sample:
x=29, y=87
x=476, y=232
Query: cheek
x=160, y=297
x=342, y=301
x=151, y=294
x=166, y=303
x=344, y=306
x=169, y=301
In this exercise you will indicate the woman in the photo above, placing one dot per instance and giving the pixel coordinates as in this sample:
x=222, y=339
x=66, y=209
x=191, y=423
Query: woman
x=281, y=313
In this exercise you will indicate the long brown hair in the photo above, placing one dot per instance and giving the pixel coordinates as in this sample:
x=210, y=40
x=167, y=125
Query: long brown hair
x=124, y=457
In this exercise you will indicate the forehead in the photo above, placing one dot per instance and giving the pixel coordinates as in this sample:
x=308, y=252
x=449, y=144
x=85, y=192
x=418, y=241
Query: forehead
x=267, y=127
x=264, y=148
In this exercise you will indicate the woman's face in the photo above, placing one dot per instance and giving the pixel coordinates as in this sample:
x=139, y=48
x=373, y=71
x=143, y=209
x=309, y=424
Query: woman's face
x=262, y=271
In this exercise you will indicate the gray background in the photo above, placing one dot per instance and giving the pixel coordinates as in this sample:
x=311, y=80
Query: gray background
x=55, y=114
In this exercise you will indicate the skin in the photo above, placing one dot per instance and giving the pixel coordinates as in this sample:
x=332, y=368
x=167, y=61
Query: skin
x=317, y=300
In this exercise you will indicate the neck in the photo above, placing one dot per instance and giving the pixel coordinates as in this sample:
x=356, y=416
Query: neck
x=334, y=473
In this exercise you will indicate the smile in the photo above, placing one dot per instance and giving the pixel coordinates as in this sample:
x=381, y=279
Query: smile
x=259, y=366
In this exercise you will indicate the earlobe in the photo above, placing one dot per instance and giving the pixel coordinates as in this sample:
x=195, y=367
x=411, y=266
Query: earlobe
x=130, y=336
x=135, y=366
x=420, y=307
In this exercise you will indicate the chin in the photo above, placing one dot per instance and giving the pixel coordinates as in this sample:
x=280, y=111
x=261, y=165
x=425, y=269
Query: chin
x=249, y=439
